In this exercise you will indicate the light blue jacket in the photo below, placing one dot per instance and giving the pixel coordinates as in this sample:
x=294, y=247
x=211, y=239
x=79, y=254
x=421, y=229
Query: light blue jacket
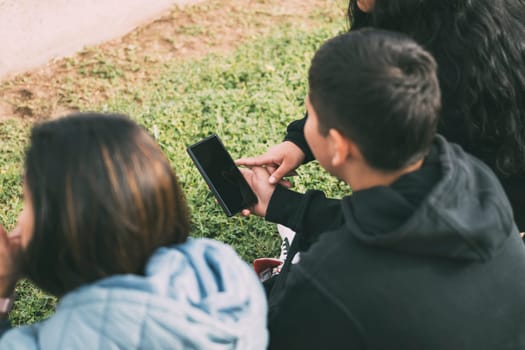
x=196, y=295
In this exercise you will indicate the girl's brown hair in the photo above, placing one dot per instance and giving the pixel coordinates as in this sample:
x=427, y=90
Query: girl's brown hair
x=104, y=198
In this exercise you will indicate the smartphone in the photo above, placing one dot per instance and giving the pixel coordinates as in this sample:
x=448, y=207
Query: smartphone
x=222, y=175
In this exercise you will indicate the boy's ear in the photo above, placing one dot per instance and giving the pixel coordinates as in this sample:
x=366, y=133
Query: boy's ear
x=343, y=148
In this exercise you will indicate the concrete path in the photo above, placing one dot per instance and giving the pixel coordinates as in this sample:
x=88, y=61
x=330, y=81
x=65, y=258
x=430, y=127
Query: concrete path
x=34, y=31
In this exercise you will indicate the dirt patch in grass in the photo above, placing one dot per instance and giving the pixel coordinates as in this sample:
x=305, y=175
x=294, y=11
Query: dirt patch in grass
x=97, y=73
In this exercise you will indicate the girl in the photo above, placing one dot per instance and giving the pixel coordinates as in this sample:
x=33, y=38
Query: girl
x=105, y=227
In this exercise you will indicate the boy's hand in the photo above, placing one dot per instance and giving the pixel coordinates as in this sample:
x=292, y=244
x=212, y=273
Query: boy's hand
x=257, y=178
x=280, y=160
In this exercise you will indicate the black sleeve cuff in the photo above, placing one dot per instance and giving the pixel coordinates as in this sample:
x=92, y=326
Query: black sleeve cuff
x=284, y=206
x=310, y=213
x=295, y=134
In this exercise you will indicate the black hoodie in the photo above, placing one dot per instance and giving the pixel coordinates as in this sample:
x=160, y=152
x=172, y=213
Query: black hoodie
x=433, y=261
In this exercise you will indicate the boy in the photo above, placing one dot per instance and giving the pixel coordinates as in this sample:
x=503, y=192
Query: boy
x=424, y=254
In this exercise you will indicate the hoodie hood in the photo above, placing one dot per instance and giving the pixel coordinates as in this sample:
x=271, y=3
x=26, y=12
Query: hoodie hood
x=452, y=207
x=196, y=295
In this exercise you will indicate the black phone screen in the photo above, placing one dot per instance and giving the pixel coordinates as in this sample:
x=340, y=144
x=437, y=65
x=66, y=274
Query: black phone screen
x=222, y=175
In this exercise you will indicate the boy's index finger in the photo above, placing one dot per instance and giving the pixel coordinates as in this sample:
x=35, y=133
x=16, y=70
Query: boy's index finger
x=242, y=161
x=256, y=161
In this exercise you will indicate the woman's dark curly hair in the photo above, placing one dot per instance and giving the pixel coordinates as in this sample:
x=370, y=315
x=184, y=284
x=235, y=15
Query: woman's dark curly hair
x=479, y=46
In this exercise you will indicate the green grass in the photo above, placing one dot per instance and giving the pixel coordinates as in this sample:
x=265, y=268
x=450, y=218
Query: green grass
x=247, y=97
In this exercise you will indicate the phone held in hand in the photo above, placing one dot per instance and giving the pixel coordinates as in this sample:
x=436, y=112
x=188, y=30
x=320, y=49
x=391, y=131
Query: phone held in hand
x=222, y=175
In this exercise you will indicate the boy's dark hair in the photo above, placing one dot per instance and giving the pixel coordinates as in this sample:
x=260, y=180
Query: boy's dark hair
x=104, y=199
x=380, y=89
